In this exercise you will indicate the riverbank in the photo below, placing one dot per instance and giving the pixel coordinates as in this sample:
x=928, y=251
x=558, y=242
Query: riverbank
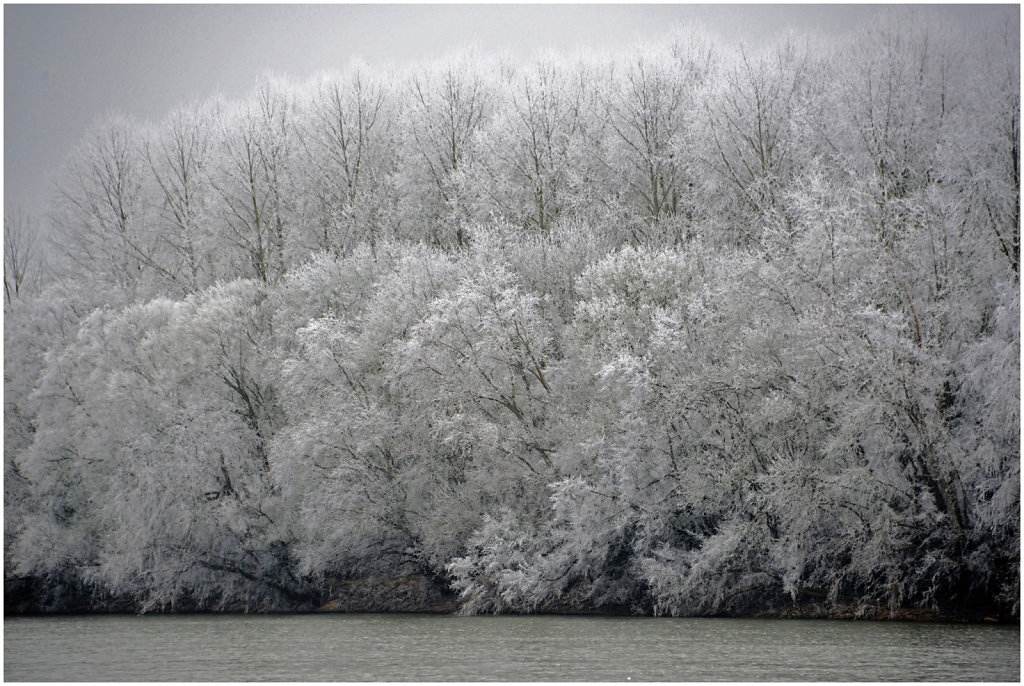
x=425, y=595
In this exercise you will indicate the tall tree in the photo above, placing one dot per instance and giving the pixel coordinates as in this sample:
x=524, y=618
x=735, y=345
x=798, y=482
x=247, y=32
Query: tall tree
x=21, y=255
x=101, y=213
x=349, y=137
x=447, y=104
x=179, y=155
x=751, y=122
x=252, y=181
x=651, y=111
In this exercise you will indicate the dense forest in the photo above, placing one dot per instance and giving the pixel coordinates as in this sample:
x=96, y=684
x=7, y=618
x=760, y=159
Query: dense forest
x=697, y=328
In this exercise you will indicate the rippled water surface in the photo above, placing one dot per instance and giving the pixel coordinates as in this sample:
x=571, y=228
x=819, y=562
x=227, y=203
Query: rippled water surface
x=448, y=648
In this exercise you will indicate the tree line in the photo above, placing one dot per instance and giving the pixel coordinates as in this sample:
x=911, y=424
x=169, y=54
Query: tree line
x=693, y=328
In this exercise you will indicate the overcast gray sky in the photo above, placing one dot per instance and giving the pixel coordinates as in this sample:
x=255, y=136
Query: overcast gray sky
x=65, y=65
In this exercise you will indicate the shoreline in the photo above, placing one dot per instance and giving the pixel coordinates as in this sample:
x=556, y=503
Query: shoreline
x=904, y=616
x=419, y=595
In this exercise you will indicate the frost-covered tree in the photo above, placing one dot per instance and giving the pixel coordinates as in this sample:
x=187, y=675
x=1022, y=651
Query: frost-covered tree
x=751, y=122
x=252, y=182
x=652, y=112
x=349, y=138
x=153, y=457
x=22, y=259
x=179, y=156
x=100, y=216
x=446, y=104
x=530, y=148
x=691, y=329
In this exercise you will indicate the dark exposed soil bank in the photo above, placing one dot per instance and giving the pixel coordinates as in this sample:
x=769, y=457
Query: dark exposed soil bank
x=400, y=594
x=30, y=596
x=420, y=594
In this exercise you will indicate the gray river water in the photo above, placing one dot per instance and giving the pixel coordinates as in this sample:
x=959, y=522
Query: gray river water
x=341, y=647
